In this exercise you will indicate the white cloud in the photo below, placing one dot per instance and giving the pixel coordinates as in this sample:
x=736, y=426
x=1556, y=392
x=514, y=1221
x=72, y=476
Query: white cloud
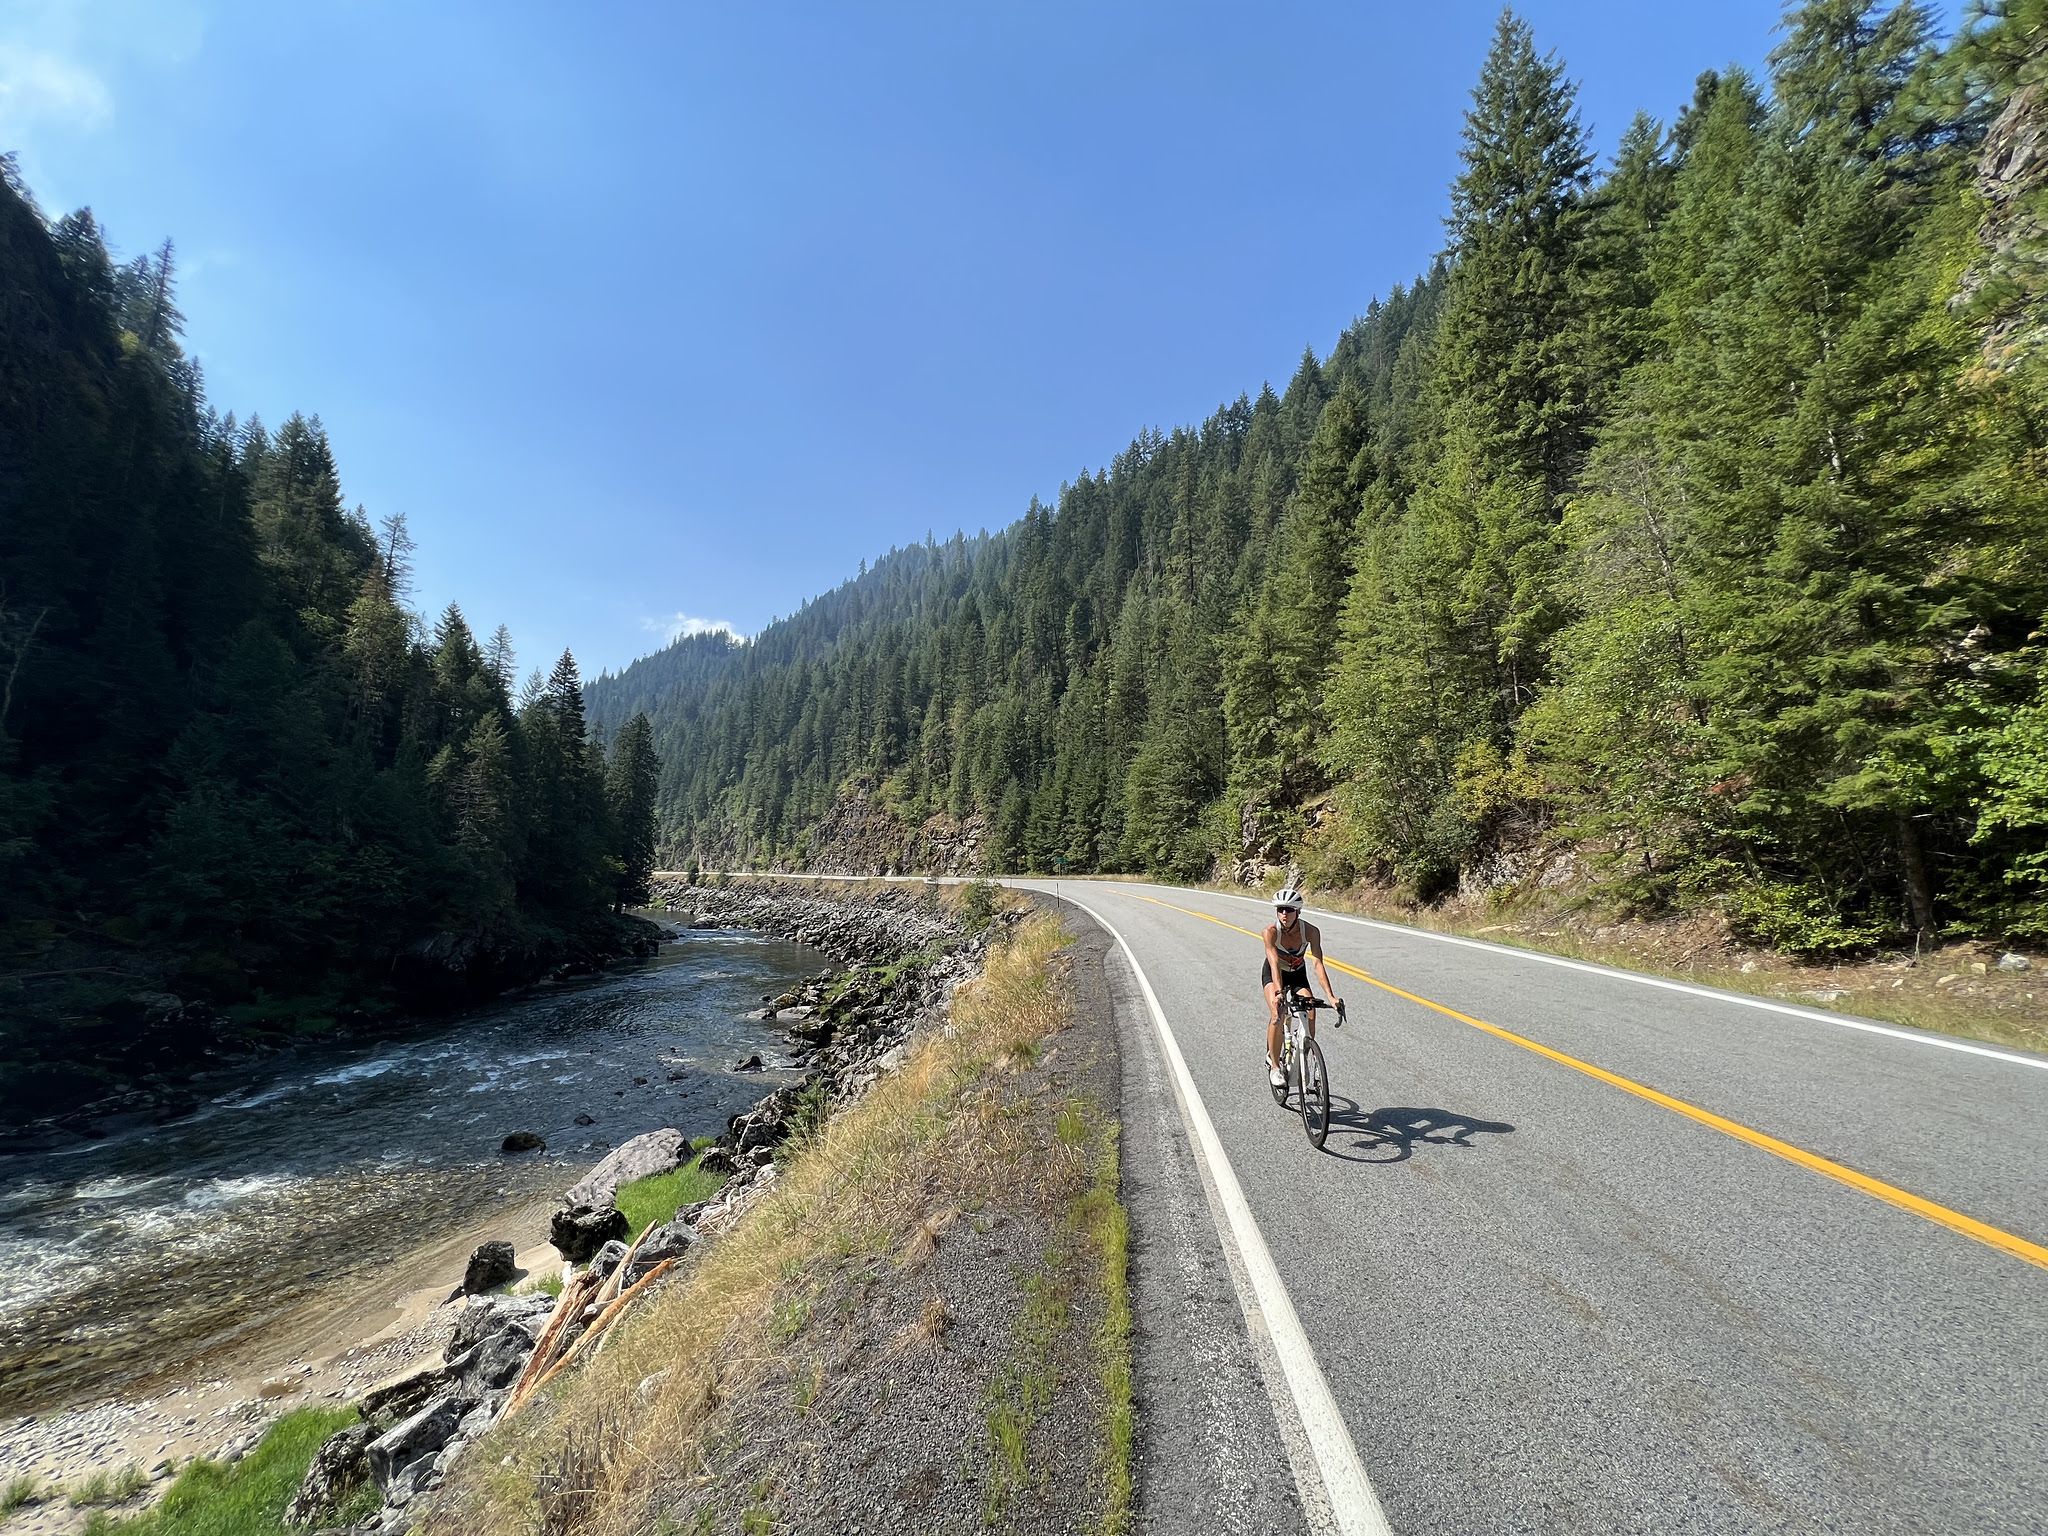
x=41, y=87
x=676, y=626
x=62, y=62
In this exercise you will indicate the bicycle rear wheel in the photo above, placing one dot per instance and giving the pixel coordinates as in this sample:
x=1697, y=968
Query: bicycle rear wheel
x=1315, y=1094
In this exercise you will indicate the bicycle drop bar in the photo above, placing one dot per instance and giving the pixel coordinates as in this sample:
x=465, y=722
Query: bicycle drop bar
x=1311, y=1001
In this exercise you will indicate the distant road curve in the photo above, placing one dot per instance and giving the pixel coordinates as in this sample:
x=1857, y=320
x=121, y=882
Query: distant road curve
x=1595, y=1252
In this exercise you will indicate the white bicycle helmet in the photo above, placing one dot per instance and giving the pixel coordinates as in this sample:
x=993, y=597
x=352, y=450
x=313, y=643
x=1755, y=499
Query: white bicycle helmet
x=1288, y=897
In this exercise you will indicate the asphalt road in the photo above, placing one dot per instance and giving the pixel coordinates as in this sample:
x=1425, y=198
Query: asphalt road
x=1541, y=1301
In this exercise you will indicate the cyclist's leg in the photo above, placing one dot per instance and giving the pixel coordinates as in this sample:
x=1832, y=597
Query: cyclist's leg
x=1272, y=991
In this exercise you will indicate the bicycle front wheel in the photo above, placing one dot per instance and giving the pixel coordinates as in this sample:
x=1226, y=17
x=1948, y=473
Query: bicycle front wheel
x=1315, y=1094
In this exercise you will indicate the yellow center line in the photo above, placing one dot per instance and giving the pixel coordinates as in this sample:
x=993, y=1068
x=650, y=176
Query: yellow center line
x=1905, y=1200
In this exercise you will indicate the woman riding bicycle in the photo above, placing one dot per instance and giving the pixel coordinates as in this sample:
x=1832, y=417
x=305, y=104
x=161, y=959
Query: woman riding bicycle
x=1290, y=941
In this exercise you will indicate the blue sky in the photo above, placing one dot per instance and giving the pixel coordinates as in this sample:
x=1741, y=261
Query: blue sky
x=646, y=313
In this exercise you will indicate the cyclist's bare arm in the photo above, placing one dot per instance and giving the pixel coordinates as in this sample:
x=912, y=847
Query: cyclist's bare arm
x=1272, y=939
x=1314, y=935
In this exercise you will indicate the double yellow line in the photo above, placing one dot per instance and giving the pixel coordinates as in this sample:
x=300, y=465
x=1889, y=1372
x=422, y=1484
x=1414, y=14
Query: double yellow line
x=1905, y=1200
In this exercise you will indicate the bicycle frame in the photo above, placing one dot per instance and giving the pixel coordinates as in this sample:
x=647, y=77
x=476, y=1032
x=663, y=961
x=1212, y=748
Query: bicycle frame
x=1301, y=1062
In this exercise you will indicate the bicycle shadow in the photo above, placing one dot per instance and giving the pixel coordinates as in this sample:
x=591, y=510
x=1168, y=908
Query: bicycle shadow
x=1393, y=1133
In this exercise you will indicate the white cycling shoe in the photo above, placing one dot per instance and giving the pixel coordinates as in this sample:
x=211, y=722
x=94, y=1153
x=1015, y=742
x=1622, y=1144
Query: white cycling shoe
x=1275, y=1076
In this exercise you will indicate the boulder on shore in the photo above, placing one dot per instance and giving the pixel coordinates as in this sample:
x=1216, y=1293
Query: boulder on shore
x=491, y=1266
x=580, y=1230
x=655, y=1152
x=338, y=1469
x=415, y=1438
x=482, y=1316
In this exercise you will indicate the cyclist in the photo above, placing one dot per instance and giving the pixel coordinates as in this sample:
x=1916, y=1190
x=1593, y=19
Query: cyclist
x=1290, y=941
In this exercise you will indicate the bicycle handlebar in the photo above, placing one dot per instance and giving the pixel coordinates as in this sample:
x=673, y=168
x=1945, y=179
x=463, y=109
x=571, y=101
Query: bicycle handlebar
x=1310, y=1001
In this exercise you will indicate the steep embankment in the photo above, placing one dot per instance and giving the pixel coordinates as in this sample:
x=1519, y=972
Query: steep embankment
x=921, y=1314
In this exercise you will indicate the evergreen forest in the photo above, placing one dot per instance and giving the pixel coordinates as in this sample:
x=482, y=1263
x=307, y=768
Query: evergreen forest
x=243, y=789
x=1682, y=529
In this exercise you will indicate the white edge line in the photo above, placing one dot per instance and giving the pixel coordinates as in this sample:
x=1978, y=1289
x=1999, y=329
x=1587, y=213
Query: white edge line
x=1914, y=1037
x=1352, y=1500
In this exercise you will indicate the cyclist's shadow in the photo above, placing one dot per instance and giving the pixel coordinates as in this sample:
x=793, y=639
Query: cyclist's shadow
x=1390, y=1135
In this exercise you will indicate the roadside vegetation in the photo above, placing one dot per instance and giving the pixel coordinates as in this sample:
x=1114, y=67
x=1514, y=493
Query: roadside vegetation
x=832, y=1292
x=1955, y=989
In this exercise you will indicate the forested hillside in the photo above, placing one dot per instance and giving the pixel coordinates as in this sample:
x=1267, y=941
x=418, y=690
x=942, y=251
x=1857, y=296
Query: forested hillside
x=1686, y=523
x=242, y=787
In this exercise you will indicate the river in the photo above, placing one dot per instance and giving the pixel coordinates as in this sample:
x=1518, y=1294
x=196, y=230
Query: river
x=139, y=1259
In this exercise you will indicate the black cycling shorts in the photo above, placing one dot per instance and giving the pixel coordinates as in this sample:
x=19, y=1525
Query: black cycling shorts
x=1290, y=981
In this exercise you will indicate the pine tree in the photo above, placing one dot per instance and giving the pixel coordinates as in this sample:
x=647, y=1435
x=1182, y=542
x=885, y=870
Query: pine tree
x=631, y=779
x=1510, y=349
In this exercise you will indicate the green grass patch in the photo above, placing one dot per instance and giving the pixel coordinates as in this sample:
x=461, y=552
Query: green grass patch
x=247, y=1498
x=655, y=1199
x=115, y=1487
x=1072, y=1126
x=1024, y=1386
x=1101, y=1215
x=19, y=1493
x=542, y=1285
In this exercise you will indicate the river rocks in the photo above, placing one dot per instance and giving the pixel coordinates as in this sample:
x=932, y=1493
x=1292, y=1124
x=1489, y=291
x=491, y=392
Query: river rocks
x=882, y=924
x=483, y=1316
x=751, y=1064
x=668, y=1241
x=2012, y=962
x=586, y=1120
x=655, y=1152
x=386, y=1405
x=392, y=1454
x=769, y=1122
x=846, y=1029
x=814, y=1032
x=523, y=1141
x=338, y=1469
x=490, y=1266
x=580, y=1230
x=492, y=1364
x=606, y=1259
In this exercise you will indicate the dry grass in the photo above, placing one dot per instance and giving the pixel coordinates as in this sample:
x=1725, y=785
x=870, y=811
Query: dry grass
x=873, y=1184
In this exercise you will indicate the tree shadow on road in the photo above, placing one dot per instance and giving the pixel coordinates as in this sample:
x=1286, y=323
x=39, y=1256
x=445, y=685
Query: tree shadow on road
x=1391, y=1135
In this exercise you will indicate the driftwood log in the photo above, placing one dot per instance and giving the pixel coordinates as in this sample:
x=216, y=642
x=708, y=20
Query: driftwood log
x=561, y=1342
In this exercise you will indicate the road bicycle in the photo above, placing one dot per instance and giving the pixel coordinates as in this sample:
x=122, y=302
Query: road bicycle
x=1301, y=1059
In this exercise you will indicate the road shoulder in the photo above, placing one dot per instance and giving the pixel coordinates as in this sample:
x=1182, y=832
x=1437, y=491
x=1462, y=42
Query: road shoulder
x=1209, y=1450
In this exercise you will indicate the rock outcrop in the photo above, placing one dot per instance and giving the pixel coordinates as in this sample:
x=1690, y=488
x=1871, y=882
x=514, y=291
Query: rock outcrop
x=2007, y=285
